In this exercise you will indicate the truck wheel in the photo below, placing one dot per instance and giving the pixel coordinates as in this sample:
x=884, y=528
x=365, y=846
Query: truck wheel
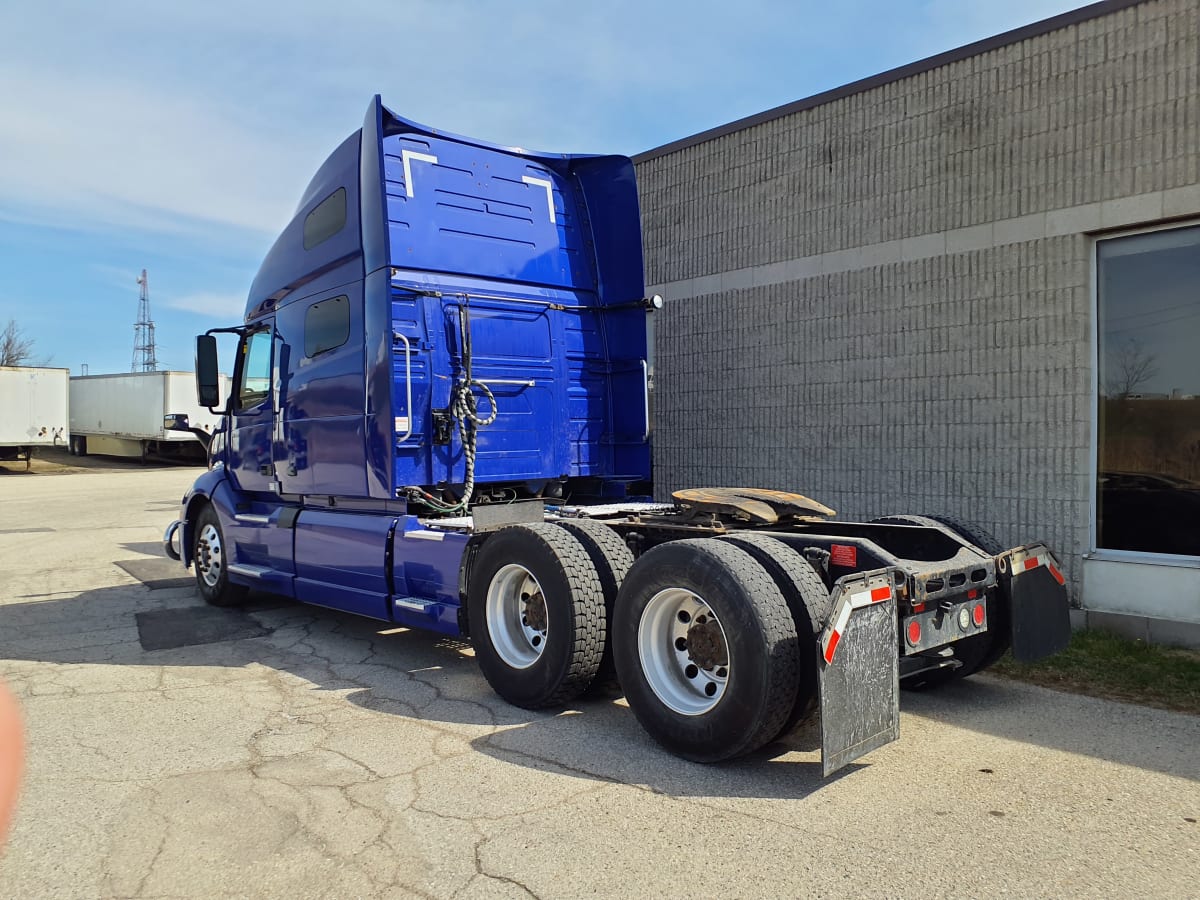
x=611, y=559
x=536, y=608
x=209, y=555
x=975, y=653
x=809, y=603
x=705, y=649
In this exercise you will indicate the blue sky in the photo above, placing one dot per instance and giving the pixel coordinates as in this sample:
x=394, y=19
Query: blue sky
x=177, y=137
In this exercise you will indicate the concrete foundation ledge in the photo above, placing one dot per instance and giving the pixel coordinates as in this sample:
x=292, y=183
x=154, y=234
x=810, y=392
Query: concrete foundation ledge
x=1167, y=632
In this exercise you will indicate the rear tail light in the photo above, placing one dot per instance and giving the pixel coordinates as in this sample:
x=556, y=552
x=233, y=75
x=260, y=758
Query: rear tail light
x=977, y=614
x=914, y=632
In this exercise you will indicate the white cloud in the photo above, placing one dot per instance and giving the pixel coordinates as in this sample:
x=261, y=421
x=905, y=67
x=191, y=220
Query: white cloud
x=218, y=306
x=206, y=120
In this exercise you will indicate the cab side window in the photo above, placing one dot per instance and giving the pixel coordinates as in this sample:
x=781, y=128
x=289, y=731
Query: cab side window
x=254, y=384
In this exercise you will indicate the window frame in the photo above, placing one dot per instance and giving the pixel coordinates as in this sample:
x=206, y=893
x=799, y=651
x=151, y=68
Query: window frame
x=1094, y=551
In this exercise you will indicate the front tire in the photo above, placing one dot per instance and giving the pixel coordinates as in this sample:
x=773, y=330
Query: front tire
x=705, y=649
x=210, y=559
x=536, y=611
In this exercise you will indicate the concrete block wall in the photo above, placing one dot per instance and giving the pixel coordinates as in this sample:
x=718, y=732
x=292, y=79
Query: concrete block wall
x=884, y=301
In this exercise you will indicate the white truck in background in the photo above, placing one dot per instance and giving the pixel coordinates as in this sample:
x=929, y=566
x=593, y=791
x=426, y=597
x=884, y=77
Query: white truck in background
x=33, y=410
x=122, y=415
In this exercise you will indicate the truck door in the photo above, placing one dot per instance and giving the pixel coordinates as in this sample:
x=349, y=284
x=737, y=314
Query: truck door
x=252, y=413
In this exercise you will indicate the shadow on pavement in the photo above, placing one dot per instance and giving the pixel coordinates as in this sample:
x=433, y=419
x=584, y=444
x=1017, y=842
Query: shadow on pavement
x=434, y=680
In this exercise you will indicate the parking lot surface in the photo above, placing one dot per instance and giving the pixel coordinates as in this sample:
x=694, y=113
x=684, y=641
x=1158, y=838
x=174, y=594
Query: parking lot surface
x=288, y=751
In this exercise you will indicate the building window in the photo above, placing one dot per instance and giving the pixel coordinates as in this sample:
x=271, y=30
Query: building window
x=254, y=385
x=327, y=219
x=326, y=325
x=1148, y=491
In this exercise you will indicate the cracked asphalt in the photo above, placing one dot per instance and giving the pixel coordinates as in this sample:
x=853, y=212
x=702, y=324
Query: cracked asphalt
x=300, y=752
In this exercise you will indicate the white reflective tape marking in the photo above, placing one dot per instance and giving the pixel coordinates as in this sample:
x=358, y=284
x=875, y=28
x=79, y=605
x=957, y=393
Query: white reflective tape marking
x=837, y=626
x=549, y=186
x=406, y=157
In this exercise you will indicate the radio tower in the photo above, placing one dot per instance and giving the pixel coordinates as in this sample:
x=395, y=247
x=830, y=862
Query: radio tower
x=144, y=359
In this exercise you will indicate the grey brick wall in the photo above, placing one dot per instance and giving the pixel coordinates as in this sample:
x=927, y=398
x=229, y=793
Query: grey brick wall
x=884, y=301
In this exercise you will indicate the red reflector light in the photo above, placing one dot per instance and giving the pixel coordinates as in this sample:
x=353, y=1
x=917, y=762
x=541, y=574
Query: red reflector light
x=918, y=607
x=972, y=594
x=977, y=614
x=832, y=648
x=914, y=632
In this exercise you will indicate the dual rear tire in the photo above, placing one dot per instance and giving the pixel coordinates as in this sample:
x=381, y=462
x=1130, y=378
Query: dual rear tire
x=702, y=634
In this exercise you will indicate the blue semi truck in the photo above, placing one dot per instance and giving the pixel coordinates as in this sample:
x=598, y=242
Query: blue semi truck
x=440, y=418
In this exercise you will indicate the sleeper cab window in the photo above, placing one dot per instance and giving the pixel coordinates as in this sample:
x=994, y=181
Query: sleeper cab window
x=326, y=325
x=326, y=219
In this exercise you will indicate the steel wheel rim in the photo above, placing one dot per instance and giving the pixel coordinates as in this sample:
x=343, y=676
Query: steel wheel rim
x=690, y=684
x=516, y=616
x=210, y=558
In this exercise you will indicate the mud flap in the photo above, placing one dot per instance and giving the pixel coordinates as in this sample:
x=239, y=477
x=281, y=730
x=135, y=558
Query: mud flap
x=859, y=671
x=1034, y=586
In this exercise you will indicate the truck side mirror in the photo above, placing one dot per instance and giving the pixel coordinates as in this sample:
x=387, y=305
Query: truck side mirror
x=208, y=385
x=176, y=422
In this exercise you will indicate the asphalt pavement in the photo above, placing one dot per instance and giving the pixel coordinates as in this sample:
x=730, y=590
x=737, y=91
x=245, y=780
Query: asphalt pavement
x=288, y=751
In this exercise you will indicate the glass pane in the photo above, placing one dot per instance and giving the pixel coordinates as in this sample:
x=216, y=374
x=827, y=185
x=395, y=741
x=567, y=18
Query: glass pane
x=326, y=219
x=256, y=370
x=1148, y=496
x=326, y=325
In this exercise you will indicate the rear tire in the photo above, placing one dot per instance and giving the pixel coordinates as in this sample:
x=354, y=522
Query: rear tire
x=536, y=609
x=705, y=649
x=809, y=603
x=210, y=559
x=611, y=559
x=984, y=650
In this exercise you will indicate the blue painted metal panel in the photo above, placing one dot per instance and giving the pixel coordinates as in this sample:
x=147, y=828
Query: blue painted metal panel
x=428, y=569
x=440, y=212
x=460, y=208
x=252, y=542
x=340, y=561
x=322, y=442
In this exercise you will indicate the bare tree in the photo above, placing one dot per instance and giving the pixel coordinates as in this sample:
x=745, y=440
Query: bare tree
x=15, y=348
x=1131, y=366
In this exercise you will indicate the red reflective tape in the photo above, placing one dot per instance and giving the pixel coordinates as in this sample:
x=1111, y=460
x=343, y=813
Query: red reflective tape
x=833, y=642
x=843, y=555
x=1032, y=563
x=879, y=595
x=1058, y=576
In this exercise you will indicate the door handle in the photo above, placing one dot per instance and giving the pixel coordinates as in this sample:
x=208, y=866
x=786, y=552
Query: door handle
x=265, y=470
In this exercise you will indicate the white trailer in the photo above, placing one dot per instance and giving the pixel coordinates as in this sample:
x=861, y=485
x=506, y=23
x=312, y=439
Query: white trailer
x=33, y=410
x=122, y=415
